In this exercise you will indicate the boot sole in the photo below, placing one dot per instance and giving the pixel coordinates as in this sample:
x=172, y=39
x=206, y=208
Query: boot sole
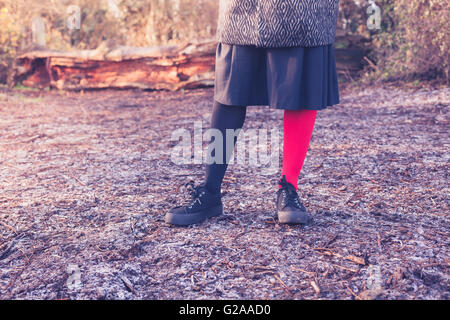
x=188, y=219
x=293, y=217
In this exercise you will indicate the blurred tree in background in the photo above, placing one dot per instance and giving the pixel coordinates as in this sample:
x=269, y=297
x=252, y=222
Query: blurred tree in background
x=11, y=35
x=352, y=17
x=413, y=40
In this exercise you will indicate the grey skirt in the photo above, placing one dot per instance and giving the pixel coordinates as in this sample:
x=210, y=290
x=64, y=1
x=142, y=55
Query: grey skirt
x=283, y=78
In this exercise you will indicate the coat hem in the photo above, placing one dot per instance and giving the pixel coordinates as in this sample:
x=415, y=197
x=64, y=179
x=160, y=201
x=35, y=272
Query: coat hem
x=274, y=46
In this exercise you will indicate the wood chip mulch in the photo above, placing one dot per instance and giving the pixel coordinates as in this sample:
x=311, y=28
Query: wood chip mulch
x=86, y=178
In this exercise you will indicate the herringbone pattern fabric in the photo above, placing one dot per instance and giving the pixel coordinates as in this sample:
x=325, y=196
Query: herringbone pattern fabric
x=277, y=23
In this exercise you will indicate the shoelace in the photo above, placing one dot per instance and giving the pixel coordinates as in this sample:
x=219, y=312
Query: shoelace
x=289, y=195
x=291, y=199
x=195, y=193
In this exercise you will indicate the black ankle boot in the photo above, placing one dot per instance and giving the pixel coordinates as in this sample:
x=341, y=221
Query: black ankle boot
x=203, y=205
x=289, y=207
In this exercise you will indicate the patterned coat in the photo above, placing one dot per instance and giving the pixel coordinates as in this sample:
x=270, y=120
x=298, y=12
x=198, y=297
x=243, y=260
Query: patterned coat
x=277, y=23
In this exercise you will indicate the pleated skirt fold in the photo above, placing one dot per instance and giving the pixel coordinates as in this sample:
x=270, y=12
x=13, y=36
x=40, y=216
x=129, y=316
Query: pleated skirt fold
x=283, y=78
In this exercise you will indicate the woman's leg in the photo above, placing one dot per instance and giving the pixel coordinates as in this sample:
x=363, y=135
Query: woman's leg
x=223, y=117
x=298, y=126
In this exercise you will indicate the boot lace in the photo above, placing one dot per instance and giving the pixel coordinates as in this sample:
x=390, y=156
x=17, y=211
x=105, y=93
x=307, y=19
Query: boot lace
x=289, y=196
x=195, y=192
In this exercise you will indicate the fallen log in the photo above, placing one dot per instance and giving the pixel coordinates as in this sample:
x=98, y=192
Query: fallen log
x=350, y=51
x=189, y=65
x=168, y=67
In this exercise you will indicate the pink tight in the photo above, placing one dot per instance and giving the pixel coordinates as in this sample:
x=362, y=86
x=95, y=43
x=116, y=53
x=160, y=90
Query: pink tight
x=298, y=126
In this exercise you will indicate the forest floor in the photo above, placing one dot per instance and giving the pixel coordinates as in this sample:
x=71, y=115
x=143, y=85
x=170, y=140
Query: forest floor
x=86, y=178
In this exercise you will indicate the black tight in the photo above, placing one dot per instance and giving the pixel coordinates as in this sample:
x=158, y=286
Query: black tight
x=223, y=117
